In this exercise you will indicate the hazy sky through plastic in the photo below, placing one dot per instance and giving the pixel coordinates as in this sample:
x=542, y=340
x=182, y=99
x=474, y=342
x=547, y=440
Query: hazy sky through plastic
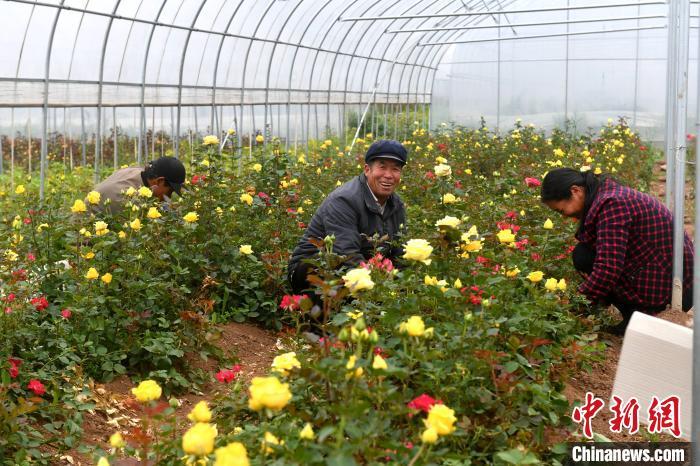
x=587, y=78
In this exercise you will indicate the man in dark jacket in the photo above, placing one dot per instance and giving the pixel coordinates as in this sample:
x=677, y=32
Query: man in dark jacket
x=355, y=212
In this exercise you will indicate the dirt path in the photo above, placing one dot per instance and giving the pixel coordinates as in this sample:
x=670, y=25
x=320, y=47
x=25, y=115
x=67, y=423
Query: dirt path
x=254, y=347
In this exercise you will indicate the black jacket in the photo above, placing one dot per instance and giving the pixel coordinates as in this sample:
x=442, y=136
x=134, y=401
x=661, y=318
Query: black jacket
x=352, y=215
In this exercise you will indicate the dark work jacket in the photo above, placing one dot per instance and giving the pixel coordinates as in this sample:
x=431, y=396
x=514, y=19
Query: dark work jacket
x=352, y=215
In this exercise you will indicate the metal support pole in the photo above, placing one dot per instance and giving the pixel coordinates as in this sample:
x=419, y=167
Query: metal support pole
x=29, y=141
x=12, y=149
x=636, y=74
x=498, y=80
x=681, y=111
x=83, y=137
x=566, y=69
x=45, y=109
x=669, y=137
x=695, y=424
x=116, y=138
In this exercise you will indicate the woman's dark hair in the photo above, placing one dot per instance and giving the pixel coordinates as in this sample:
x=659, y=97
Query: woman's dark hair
x=556, y=186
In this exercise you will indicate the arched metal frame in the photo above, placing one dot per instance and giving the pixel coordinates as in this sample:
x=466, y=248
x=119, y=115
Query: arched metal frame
x=320, y=58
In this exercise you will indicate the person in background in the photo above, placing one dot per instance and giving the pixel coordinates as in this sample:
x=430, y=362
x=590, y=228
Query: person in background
x=625, y=252
x=365, y=206
x=163, y=176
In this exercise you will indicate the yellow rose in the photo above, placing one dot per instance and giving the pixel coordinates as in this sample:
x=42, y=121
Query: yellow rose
x=103, y=461
x=92, y=274
x=429, y=435
x=130, y=192
x=257, y=167
x=414, y=326
x=135, y=224
x=442, y=170
x=307, y=433
x=199, y=440
x=145, y=191
x=78, y=206
x=357, y=372
x=245, y=249
x=107, y=278
x=116, y=440
x=418, y=250
x=121, y=235
x=535, y=276
x=259, y=139
x=153, y=213
x=378, y=363
x=442, y=419
x=561, y=285
x=430, y=281
x=506, y=236
x=200, y=412
x=247, y=198
x=88, y=255
x=147, y=390
x=268, y=392
x=93, y=197
x=210, y=140
x=458, y=284
x=101, y=228
x=512, y=272
x=358, y=279
x=191, y=217
x=270, y=439
x=551, y=284
x=20, y=189
x=448, y=222
x=285, y=363
x=205, y=163
x=449, y=198
x=233, y=454
x=548, y=224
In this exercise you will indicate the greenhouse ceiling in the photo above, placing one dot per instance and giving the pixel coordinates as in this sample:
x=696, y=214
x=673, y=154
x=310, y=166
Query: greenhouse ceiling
x=79, y=53
x=292, y=68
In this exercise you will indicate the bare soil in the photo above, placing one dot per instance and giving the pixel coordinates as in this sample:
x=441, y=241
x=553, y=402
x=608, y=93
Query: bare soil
x=252, y=346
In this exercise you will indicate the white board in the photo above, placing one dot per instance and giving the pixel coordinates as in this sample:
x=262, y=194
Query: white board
x=656, y=360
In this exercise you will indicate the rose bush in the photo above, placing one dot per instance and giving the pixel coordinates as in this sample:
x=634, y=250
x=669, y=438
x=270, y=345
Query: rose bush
x=476, y=315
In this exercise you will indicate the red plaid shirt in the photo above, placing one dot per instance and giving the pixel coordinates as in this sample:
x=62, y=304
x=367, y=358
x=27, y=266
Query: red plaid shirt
x=632, y=235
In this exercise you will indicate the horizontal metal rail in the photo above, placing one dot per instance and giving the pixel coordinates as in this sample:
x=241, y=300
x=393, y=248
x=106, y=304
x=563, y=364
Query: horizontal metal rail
x=541, y=36
x=512, y=25
x=500, y=12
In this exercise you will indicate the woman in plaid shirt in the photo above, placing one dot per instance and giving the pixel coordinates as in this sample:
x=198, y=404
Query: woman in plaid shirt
x=625, y=250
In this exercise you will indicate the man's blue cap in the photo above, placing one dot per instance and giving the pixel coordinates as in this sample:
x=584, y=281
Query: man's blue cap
x=387, y=149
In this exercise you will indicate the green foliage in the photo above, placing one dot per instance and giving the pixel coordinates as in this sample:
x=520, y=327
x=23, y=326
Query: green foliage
x=498, y=351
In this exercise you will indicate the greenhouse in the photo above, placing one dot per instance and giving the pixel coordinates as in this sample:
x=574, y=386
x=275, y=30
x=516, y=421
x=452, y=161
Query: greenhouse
x=323, y=232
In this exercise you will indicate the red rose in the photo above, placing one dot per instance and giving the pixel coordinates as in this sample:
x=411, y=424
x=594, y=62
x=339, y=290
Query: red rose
x=228, y=375
x=37, y=387
x=423, y=403
x=291, y=302
x=14, y=369
x=532, y=182
x=66, y=313
x=40, y=303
